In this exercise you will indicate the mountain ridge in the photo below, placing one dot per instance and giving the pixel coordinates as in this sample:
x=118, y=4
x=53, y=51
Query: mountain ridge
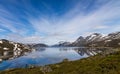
x=96, y=40
x=92, y=40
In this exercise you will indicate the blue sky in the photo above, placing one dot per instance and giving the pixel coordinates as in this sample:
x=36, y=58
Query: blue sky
x=51, y=21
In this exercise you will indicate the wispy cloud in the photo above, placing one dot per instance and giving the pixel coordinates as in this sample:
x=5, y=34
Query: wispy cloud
x=70, y=26
x=78, y=20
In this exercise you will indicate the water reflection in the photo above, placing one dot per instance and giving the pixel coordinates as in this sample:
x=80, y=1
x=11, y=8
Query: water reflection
x=8, y=55
x=44, y=56
x=40, y=49
x=85, y=51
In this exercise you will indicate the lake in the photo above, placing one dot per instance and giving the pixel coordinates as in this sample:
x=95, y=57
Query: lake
x=43, y=56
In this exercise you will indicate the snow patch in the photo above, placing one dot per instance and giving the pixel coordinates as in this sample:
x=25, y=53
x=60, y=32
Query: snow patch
x=5, y=48
x=1, y=42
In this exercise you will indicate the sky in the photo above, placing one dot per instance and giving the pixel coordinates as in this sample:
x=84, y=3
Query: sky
x=51, y=21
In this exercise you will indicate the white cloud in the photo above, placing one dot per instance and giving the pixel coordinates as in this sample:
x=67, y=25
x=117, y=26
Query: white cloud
x=10, y=21
x=78, y=24
x=24, y=39
x=69, y=26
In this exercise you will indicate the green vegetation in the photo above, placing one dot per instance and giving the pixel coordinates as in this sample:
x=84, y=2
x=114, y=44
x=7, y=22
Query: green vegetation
x=99, y=64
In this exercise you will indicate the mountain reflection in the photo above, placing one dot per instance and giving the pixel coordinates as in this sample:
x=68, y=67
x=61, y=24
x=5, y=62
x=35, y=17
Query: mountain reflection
x=44, y=55
x=7, y=55
x=40, y=49
x=82, y=51
x=85, y=51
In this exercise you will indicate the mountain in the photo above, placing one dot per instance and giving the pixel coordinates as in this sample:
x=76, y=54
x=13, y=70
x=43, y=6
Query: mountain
x=62, y=44
x=94, y=40
x=97, y=39
x=39, y=45
x=79, y=42
x=11, y=50
x=93, y=37
x=10, y=45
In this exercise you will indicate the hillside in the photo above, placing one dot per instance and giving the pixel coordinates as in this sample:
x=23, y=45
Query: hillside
x=11, y=50
x=10, y=45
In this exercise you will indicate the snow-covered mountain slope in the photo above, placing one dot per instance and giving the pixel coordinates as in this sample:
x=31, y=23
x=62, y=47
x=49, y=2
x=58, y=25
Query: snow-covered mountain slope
x=10, y=45
x=96, y=39
x=11, y=50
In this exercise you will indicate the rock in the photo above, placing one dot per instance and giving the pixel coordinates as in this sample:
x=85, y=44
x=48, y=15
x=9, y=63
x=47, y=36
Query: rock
x=45, y=69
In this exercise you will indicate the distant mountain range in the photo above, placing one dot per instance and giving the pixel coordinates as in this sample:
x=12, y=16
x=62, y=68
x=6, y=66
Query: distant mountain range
x=62, y=44
x=95, y=40
x=37, y=45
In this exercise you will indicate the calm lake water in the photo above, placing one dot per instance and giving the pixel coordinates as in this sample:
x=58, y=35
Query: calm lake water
x=43, y=56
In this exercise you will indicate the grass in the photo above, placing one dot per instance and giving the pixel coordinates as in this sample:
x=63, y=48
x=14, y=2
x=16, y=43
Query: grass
x=99, y=64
